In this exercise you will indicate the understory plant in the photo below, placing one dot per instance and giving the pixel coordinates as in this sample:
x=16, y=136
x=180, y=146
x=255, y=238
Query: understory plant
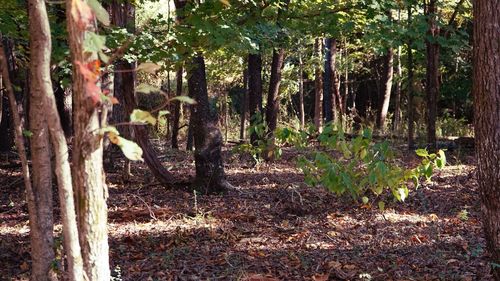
x=358, y=166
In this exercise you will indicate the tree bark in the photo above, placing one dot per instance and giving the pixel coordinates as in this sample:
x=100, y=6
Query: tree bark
x=486, y=92
x=301, y=94
x=387, y=88
x=254, y=91
x=41, y=220
x=210, y=176
x=273, y=100
x=64, y=104
x=329, y=86
x=177, y=110
x=432, y=72
x=411, y=110
x=244, y=107
x=43, y=97
x=318, y=86
x=88, y=173
x=6, y=137
x=396, y=125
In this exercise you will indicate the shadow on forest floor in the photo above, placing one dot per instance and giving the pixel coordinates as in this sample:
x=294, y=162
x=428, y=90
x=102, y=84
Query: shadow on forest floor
x=274, y=226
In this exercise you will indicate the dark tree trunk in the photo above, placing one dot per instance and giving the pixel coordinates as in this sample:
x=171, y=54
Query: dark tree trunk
x=254, y=91
x=486, y=93
x=244, y=107
x=328, y=85
x=177, y=109
x=432, y=72
x=273, y=102
x=64, y=103
x=386, y=88
x=318, y=86
x=411, y=110
x=210, y=176
x=6, y=133
x=301, y=94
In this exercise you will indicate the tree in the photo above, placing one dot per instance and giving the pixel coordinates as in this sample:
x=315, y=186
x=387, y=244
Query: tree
x=254, y=91
x=88, y=173
x=318, y=85
x=432, y=70
x=273, y=101
x=177, y=108
x=486, y=93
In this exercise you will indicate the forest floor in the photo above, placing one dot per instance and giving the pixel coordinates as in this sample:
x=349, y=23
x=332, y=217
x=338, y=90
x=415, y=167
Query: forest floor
x=272, y=227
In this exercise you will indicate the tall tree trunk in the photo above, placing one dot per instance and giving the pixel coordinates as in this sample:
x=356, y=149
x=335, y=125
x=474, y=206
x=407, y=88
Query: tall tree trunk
x=273, y=100
x=318, y=86
x=6, y=137
x=486, y=92
x=244, y=107
x=41, y=220
x=177, y=109
x=88, y=172
x=210, y=176
x=254, y=91
x=301, y=94
x=64, y=104
x=396, y=125
x=432, y=72
x=328, y=84
x=43, y=98
x=386, y=88
x=411, y=110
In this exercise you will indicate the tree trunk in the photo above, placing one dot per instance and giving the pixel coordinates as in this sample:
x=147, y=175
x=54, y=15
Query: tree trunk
x=41, y=220
x=318, y=86
x=88, y=173
x=432, y=72
x=396, y=125
x=43, y=97
x=411, y=110
x=64, y=104
x=328, y=95
x=486, y=92
x=301, y=94
x=273, y=100
x=254, y=91
x=177, y=110
x=244, y=107
x=387, y=88
x=210, y=176
x=6, y=137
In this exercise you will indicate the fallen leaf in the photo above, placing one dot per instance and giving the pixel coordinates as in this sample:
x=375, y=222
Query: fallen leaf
x=321, y=277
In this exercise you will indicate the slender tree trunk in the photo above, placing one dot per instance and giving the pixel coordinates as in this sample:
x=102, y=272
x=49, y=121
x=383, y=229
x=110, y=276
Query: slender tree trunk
x=396, y=126
x=346, y=80
x=88, y=172
x=254, y=91
x=244, y=107
x=486, y=92
x=6, y=137
x=273, y=100
x=432, y=72
x=64, y=104
x=41, y=220
x=301, y=94
x=318, y=86
x=210, y=176
x=177, y=110
x=411, y=110
x=43, y=97
x=386, y=87
x=328, y=95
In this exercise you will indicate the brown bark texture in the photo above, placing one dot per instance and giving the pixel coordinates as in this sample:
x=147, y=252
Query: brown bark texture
x=432, y=72
x=486, y=92
x=318, y=86
x=411, y=110
x=254, y=90
x=273, y=99
x=210, y=176
x=244, y=107
x=177, y=109
x=88, y=173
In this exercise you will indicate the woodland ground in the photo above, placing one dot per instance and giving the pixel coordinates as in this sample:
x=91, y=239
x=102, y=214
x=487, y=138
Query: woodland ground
x=272, y=227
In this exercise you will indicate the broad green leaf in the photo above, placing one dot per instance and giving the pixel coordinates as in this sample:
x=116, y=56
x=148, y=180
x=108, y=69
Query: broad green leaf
x=100, y=13
x=148, y=67
x=94, y=42
x=365, y=200
x=142, y=116
x=422, y=152
x=27, y=133
x=185, y=99
x=130, y=149
x=163, y=113
x=381, y=205
x=441, y=160
x=109, y=129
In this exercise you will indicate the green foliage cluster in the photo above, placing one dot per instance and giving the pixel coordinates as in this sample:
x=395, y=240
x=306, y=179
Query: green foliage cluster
x=358, y=166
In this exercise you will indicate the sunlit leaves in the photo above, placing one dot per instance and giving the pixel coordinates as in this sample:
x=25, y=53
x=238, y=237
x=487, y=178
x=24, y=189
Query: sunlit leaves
x=100, y=13
x=184, y=99
x=142, y=116
x=129, y=148
x=148, y=67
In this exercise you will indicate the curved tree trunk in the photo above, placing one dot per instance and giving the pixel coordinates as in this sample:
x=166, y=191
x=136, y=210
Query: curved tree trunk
x=486, y=93
x=273, y=102
x=210, y=176
x=254, y=90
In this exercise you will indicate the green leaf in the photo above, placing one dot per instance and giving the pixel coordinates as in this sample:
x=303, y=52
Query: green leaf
x=422, y=152
x=130, y=149
x=185, y=99
x=94, y=42
x=441, y=160
x=365, y=200
x=148, y=67
x=142, y=116
x=109, y=129
x=381, y=205
x=100, y=13
x=27, y=133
